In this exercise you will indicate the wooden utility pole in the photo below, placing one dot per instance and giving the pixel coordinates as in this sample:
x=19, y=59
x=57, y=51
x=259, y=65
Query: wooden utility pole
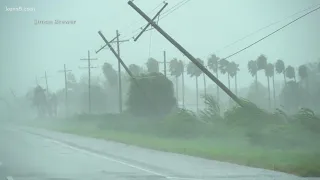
x=37, y=82
x=45, y=75
x=89, y=59
x=119, y=74
x=186, y=53
x=119, y=65
x=165, y=63
x=65, y=85
x=46, y=78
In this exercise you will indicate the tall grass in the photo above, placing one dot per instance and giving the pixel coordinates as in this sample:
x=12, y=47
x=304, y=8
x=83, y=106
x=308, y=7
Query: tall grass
x=246, y=135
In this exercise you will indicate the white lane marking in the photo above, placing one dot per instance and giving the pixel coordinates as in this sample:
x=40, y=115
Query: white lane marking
x=182, y=178
x=9, y=178
x=117, y=161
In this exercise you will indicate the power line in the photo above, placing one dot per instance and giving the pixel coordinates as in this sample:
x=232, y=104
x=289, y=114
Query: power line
x=274, y=23
x=141, y=19
x=166, y=13
x=273, y=32
x=174, y=8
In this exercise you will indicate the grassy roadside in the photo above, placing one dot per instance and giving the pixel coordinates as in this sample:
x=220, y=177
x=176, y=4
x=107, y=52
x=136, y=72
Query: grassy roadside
x=236, y=145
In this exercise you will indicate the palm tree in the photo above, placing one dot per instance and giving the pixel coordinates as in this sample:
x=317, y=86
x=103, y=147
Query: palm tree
x=303, y=74
x=135, y=69
x=204, y=78
x=152, y=65
x=280, y=68
x=175, y=70
x=269, y=72
x=194, y=71
x=224, y=66
x=181, y=68
x=290, y=73
x=253, y=70
x=262, y=62
x=233, y=70
x=213, y=64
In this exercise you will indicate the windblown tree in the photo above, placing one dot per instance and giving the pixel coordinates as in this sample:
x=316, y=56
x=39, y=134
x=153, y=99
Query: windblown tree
x=194, y=71
x=181, y=67
x=262, y=62
x=71, y=81
x=233, y=69
x=176, y=71
x=290, y=73
x=253, y=70
x=281, y=69
x=224, y=66
x=40, y=101
x=213, y=64
x=269, y=72
x=153, y=97
x=135, y=69
x=152, y=65
x=110, y=74
x=204, y=78
x=303, y=74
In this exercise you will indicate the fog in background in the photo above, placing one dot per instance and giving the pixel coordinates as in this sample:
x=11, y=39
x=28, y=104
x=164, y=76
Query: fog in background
x=202, y=27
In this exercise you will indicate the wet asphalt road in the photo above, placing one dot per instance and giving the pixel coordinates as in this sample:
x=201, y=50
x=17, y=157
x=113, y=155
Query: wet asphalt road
x=27, y=154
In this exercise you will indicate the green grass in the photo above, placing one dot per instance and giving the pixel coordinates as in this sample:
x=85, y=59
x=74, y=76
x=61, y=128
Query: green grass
x=246, y=136
x=283, y=147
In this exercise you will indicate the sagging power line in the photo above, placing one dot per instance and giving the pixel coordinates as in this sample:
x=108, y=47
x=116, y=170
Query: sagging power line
x=282, y=27
x=265, y=27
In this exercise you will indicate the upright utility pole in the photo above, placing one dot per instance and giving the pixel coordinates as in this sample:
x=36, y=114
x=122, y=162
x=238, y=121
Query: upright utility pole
x=89, y=59
x=119, y=74
x=165, y=63
x=45, y=75
x=37, y=82
x=119, y=65
x=65, y=86
x=46, y=78
x=186, y=53
x=183, y=85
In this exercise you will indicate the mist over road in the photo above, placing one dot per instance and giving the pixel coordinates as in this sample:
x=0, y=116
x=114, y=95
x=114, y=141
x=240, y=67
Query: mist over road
x=29, y=153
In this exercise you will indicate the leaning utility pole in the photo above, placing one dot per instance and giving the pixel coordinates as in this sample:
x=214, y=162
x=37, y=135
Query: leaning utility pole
x=119, y=65
x=186, y=53
x=65, y=86
x=89, y=78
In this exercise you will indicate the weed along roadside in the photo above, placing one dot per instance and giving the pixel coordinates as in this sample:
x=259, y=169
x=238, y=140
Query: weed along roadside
x=247, y=136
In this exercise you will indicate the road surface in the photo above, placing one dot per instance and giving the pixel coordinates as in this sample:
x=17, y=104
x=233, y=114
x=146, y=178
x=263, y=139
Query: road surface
x=32, y=154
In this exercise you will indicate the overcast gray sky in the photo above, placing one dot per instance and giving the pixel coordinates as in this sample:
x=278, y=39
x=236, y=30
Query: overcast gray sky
x=201, y=26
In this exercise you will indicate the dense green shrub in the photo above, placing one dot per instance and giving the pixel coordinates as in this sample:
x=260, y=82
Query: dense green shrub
x=151, y=95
